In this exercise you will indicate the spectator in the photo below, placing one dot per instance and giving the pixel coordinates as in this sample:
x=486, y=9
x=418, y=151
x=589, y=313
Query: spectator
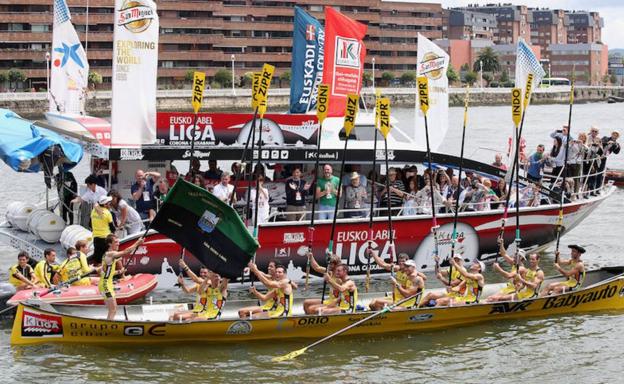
x=162, y=188
x=346, y=179
x=530, y=196
x=93, y=193
x=195, y=169
x=355, y=196
x=237, y=173
x=410, y=205
x=143, y=193
x=213, y=172
x=127, y=217
x=501, y=194
x=576, y=154
x=67, y=188
x=102, y=223
x=102, y=180
x=498, y=162
x=199, y=181
x=594, y=162
x=443, y=182
x=557, y=156
x=592, y=136
x=454, y=192
x=397, y=190
x=536, y=163
x=423, y=198
x=263, y=202
x=296, y=190
x=609, y=146
x=412, y=171
x=327, y=193
x=224, y=190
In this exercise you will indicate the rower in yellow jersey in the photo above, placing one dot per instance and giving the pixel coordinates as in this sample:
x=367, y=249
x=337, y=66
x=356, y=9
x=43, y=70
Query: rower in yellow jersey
x=46, y=270
x=22, y=275
x=213, y=294
x=74, y=267
x=283, y=291
x=108, y=269
x=575, y=276
x=456, y=280
x=203, y=275
x=344, y=288
x=472, y=285
x=267, y=299
x=511, y=276
x=532, y=278
x=334, y=261
x=412, y=285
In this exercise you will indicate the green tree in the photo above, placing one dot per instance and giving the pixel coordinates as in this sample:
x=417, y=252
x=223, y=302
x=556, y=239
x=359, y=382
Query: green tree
x=285, y=77
x=188, y=76
x=387, y=77
x=470, y=77
x=487, y=78
x=367, y=78
x=452, y=75
x=223, y=77
x=15, y=76
x=94, y=79
x=489, y=59
x=246, y=79
x=3, y=78
x=612, y=79
x=464, y=68
x=408, y=77
x=504, y=77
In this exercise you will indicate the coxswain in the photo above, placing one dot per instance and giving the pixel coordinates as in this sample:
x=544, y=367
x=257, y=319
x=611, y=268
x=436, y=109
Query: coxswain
x=267, y=299
x=75, y=268
x=454, y=286
x=46, y=270
x=575, y=276
x=333, y=262
x=406, y=283
x=512, y=276
x=344, y=289
x=22, y=275
x=108, y=269
x=472, y=285
x=283, y=291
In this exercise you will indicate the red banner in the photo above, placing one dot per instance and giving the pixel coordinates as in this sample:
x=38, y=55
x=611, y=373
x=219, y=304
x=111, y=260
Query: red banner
x=344, y=58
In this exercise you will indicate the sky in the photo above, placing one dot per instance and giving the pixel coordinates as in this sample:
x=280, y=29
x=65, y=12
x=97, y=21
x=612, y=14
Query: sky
x=611, y=10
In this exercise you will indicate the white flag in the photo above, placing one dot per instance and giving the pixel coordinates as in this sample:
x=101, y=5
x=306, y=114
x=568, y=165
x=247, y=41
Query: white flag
x=432, y=62
x=135, y=65
x=70, y=69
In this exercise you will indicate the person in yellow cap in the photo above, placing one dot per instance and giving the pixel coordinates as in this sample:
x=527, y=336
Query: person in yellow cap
x=575, y=275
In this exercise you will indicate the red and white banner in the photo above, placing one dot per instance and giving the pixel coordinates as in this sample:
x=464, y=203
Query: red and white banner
x=344, y=58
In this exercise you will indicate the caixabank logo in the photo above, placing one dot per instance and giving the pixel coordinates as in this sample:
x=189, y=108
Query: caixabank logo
x=136, y=15
x=348, y=52
x=35, y=324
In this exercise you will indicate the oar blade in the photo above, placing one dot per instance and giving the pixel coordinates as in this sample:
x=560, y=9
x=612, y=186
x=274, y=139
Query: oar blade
x=290, y=356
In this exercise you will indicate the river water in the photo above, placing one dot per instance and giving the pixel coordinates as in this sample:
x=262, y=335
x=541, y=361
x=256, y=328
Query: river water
x=586, y=348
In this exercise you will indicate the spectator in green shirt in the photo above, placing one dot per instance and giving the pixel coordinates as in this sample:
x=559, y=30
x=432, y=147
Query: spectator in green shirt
x=327, y=193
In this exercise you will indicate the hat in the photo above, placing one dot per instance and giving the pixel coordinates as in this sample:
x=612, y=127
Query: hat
x=522, y=253
x=481, y=264
x=410, y=263
x=578, y=248
x=105, y=200
x=354, y=175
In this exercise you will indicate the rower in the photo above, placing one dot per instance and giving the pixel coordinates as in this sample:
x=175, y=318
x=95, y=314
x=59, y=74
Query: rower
x=472, y=285
x=21, y=275
x=532, y=278
x=74, y=267
x=267, y=299
x=46, y=270
x=511, y=276
x=408, y=283
x=108, y=269
x=576, y=275
x=391, y=267
x=333, y=262
x=283, y=291
x=454, y=286
x=199, y=300
x=344, y=288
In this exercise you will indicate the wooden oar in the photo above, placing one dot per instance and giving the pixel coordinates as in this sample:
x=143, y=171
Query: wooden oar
x=565, y=165
x=321, y=114
x=299, y=352
x=384, y=127
x=255, y=105
x=372, y=196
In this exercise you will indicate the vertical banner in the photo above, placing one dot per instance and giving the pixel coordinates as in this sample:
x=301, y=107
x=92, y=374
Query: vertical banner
x=254, y=90
x=432, y=64
x=323, y=100
x=69, y=71
x=199, y=82
x=135, y=65
x=350, y=113
x=263, y=88
x=344, y=54
x=307, y=62
x=384, y=116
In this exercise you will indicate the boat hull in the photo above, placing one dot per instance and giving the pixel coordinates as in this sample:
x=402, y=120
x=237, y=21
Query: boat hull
x=37, y=325
x=126, y=291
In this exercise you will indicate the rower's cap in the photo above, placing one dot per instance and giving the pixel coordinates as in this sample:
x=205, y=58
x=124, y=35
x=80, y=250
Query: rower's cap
x=354, y=175
x=578, y=248
x=105, y=200
x=410, y=263
x=481, y=265
x=457, y=255
x=522, y=254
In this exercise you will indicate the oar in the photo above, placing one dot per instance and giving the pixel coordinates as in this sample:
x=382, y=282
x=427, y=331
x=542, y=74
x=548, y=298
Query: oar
x=349, y=123
x=299, y=352
x=372, y=196
x=565, y=162
x=384, y=127
x=199, y=80
x=255, y=105
x=321, y=113
x=461, y=169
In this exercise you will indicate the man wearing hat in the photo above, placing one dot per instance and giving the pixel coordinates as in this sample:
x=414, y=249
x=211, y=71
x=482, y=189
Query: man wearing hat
x=355, y=197
x=407, y=282
x=575, y=276
x=101, y=222
x=517, y=269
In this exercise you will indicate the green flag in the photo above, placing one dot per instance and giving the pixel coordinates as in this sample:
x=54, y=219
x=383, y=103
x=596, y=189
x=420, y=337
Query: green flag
x=210, y=229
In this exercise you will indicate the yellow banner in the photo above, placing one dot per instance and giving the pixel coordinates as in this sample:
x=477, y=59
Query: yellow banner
x=516, y=105
x=384, y=116
x=423, y=93
x=254, y=90
x=351, y=112
x=572, y=92
x=377, y=97
x=199, y=82
x=466, y=98
x=263, y=90
x=527, y=90
x=322, y=102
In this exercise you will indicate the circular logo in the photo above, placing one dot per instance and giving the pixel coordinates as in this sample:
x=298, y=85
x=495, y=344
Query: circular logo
x=239, y=328
x=467, y=244
x=135, y=16
x=432, y=66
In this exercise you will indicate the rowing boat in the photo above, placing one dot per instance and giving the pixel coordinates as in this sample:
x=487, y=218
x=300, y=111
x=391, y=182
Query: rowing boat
x=38, y=322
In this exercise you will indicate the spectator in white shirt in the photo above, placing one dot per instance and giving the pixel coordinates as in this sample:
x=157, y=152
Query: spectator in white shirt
x=223, y=191
x=93, y=193
x=263, y=201
x=127, y=217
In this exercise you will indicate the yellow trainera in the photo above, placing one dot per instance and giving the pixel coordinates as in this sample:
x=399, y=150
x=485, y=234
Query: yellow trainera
x=38, y=322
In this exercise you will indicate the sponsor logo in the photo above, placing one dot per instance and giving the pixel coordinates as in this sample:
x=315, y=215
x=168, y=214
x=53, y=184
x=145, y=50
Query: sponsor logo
x=575, y=300
x=239, y=328
x=198, y=154
x=298, y=237
x=135, y=16
x=347, y=52
x=310, y=32
x=208, y=221
x=432, y=66
x=321, y=155
x=132, y=330
x=306, y=321
x=36, y=324
x=421, y=317
x=509, y=307
x=92, y=329
x=131, y=154
x=381, y=154
x=282, y=252
x=139, y=330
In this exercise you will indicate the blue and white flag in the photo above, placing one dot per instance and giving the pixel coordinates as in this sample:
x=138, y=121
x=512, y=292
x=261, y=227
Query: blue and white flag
x=526, y=63
x=70, y=68
x=307, y=62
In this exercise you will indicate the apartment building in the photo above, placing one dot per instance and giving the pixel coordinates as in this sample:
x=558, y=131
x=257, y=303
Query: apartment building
x=584, y=27
x=549, y=27
x=467, y=25
x=513, y=21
